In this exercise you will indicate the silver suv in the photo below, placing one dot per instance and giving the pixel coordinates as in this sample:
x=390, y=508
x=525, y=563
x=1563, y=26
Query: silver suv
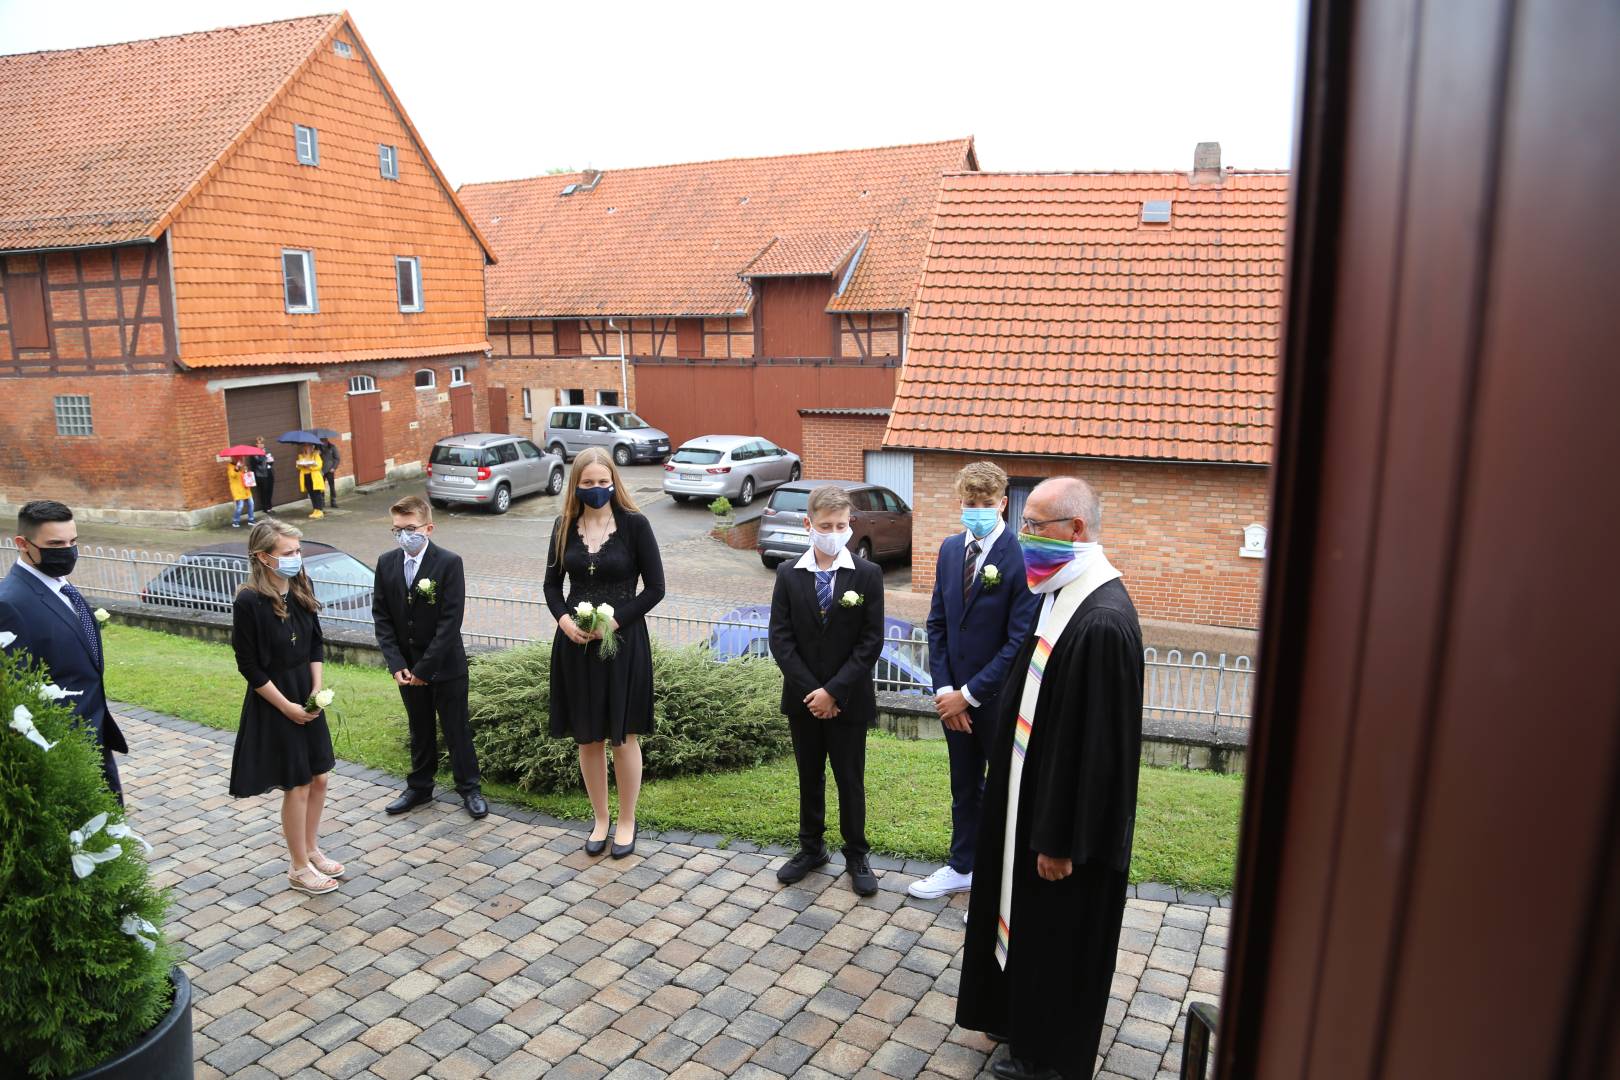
x=490, y=470
x=629, y=438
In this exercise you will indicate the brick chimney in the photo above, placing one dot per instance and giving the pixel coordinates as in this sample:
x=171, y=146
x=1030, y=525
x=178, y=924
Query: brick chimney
x=1207, y=163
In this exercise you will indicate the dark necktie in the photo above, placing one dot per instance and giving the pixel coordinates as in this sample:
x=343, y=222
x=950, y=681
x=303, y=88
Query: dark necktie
x=86, y=620
x=824, y=587
x=969, y=565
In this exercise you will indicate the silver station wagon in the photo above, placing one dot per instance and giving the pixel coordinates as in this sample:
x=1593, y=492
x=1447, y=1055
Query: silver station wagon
x=488, y=469
x=736, y=466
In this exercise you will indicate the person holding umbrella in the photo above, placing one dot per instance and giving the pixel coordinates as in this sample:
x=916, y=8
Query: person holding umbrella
x=264, y=476
x=330, y=460
x=311, y=480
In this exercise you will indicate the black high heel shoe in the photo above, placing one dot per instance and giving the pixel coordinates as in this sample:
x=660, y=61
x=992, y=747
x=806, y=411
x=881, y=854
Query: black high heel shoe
x=596, y=847
x=621, y=851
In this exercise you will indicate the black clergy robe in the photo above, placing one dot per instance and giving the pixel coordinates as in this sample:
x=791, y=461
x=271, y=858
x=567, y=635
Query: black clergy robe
x=1077, y=799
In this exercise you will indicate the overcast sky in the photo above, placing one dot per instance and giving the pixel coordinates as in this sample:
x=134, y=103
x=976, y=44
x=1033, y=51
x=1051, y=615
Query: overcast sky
x=510, y=89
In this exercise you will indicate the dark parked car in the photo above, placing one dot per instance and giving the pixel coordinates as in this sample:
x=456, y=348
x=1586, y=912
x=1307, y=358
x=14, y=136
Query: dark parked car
x=902, y=665
x=208, y=578
x=881, y=522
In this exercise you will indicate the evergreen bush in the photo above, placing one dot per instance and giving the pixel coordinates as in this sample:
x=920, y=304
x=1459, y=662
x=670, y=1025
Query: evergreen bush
x=83, y=975
x=706, y=716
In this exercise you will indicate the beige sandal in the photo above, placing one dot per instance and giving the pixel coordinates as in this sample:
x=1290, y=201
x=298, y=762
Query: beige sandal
x=330, y=867
x=311, y=881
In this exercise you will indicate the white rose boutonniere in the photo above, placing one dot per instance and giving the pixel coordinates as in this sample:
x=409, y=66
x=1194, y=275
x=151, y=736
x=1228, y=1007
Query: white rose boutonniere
x=851, y=599
x=990, y=576
x=429, y=590
x=102, y=615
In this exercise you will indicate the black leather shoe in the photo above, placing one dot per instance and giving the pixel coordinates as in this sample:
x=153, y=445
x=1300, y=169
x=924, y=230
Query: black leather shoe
x=1011, y=1068
x=411, y=798
x=861, y=878
x=596, y=847
x=621, y=851
x=801, y=864
x=476, y=804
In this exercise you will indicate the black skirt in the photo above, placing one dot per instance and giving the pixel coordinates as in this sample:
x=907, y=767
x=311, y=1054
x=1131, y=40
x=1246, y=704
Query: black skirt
x=272, y=751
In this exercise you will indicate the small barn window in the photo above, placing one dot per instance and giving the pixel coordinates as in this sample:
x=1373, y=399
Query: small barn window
x=308, y=144
x=458, y=376
x=426, y=379
x=73, y=415
x=342, y=49
x=388, y=160
x=607, y=397
x=362, y=384
x=528, y=403
x=688, y=337
x=408, y=278
x=567, y=333
x=298, y=281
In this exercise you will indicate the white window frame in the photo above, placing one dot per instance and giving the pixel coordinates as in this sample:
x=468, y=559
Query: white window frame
x=433, y=379
x=458, y=375
x=388, y=161
x=314, y=305
x=306, y=145
x=342, y=48
x=528, y=404
x=362, y=384
x=601, y=398
x=73, y=417
x=416, y=281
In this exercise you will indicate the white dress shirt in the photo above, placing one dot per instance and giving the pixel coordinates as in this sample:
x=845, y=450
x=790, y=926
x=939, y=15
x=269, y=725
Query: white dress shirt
x=978, y=568
x=53, y=583
x=842, y=561
x=413, y=563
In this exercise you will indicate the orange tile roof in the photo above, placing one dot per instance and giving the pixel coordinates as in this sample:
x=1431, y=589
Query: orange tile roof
x=340, y=356
x=806, y=255
x=672, y=239
x=1051, y=321
x=105, y=145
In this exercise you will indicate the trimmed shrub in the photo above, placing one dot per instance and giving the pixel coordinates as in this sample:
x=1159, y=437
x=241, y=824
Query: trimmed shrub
x=76, y=987
x=706, y=716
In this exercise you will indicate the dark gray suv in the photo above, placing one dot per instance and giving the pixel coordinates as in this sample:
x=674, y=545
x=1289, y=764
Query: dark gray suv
x=881, y=522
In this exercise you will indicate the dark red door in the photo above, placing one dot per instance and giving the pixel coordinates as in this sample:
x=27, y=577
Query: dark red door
x=497, y=410
x=461, y=409
x=366, y=437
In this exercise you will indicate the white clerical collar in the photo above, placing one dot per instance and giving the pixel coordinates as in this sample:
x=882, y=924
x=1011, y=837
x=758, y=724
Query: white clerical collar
x=989, y=541
x=842, y=561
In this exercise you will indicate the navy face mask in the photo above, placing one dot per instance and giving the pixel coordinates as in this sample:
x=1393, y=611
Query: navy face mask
x=595, y=497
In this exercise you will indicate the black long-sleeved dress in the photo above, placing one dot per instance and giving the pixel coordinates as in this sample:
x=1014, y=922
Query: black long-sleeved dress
x=593, y=699
x=272, y=751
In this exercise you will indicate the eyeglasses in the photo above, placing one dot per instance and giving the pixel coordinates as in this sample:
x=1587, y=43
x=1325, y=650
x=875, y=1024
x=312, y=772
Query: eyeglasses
x=411, y=529
x=1031, y=526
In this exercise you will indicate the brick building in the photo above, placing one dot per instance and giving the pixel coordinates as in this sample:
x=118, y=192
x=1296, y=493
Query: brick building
x=1121, y=327
x=718, y=296
x=247, y=237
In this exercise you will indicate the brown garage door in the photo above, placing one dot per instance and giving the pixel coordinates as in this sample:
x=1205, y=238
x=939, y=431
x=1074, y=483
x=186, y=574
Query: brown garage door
x=265, y=412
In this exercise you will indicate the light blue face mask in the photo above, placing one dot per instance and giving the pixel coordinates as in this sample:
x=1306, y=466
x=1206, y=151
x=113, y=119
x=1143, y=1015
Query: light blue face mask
x=980, y=520
x=288, y=566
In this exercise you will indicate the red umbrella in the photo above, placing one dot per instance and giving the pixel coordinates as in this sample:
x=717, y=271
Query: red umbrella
x=241, y=451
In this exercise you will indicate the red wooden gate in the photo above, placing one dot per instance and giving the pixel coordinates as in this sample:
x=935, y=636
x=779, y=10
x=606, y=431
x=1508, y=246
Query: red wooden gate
x=366, y=437
x=497, y=410
x=461, y=410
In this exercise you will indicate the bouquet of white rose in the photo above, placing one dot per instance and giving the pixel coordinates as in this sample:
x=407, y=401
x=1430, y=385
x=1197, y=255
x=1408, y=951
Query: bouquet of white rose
x=321, y=701
x=595, y=619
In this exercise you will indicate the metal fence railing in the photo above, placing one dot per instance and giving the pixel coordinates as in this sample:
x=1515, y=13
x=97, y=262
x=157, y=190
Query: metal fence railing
x=507, y=612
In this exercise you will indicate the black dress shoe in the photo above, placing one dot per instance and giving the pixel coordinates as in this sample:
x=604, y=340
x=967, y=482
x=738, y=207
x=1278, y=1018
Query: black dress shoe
x=412, y=797
x=1011, y=1068
x=861, y=878
x=621, y=851
x=596, y=847
x=801, y=864
x=476, y=804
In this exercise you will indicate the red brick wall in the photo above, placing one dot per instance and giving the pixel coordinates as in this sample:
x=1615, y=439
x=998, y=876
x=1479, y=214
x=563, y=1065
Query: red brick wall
x=1174, y=530
x=834, y=446
x=546, y=379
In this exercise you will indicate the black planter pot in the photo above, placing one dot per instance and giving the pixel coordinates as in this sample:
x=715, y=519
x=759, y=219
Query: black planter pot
x=164, y=1053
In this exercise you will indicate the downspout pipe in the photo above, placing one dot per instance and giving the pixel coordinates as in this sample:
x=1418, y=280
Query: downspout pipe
x=624, y=375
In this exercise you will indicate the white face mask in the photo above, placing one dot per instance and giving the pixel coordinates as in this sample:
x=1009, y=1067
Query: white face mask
x=831, y=543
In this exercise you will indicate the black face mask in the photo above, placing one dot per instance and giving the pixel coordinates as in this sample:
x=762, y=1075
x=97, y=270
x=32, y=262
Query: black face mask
x=56, y=561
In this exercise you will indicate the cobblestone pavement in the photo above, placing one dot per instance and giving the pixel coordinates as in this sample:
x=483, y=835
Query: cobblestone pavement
x=497, y=949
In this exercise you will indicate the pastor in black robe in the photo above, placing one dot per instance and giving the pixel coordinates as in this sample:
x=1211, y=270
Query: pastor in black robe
x=1077, y=799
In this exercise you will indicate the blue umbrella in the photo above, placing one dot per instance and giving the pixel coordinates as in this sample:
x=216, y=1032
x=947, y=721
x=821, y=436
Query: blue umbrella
x=299, y=437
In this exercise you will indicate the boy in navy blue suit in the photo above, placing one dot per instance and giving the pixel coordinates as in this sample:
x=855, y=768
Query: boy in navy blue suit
x=980, y=616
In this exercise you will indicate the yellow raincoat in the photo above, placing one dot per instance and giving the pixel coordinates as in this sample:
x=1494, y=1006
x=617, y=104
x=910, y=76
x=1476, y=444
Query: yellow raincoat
x=309, y=471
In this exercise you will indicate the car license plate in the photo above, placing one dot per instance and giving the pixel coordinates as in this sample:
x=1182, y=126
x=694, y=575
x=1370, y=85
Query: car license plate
x=691, y=475
x=456, y=479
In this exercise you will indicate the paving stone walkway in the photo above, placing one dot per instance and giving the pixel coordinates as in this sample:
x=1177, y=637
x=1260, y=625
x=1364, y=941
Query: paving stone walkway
x=498, y=949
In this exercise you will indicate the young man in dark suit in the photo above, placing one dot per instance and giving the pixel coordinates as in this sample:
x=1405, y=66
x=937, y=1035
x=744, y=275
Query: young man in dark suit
x=54, y=623
x=416, y=604
x=826, y=633
x=980, y=616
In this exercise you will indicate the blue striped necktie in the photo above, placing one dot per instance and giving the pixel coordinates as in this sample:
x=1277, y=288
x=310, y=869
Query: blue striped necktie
x=86, y=620
x=824, y=589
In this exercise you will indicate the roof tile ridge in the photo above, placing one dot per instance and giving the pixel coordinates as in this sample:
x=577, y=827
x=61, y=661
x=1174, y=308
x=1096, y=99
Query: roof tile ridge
x=168, y=37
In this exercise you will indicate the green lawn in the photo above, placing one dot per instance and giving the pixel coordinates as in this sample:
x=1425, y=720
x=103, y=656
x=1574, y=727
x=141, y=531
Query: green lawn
x=1186, y=828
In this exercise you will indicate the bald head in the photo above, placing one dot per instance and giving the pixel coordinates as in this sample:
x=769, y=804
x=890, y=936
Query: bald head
x=1066, y=497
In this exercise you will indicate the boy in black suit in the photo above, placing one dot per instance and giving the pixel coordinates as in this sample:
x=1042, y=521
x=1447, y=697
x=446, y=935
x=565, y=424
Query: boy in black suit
x=826, y=633
x=44, y=614
x=416, y=604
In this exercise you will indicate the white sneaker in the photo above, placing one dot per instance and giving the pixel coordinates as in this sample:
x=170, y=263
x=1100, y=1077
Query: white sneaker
x=941, y=882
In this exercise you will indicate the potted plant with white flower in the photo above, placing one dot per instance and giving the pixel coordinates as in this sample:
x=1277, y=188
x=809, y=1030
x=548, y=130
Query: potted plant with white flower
x=88, y=985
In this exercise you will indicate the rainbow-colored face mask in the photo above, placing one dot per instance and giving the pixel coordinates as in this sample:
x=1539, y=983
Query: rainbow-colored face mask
x=1044, y=557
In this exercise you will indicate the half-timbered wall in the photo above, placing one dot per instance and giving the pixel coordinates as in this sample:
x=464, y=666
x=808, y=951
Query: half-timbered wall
x=94, y=311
